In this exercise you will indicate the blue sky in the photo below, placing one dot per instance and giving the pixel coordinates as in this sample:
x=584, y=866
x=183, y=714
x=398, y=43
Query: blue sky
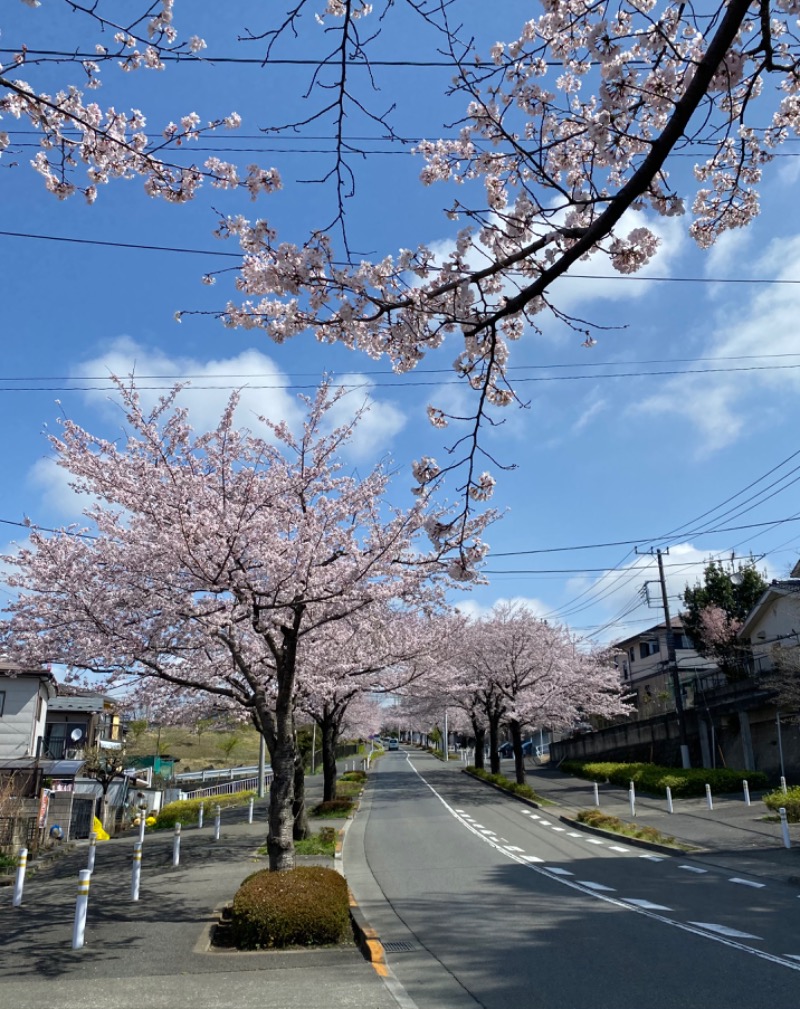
x=659, y=435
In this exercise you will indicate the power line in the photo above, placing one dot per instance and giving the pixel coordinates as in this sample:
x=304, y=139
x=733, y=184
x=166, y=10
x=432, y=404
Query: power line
x=238, y=255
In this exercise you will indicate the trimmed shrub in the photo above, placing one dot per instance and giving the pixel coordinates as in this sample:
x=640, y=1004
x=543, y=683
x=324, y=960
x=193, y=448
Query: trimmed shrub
x=333, y=807
x=510, y=786
x=185, y=811
x=348, y=789
x=594, y=818
x=655, y=779
x=353, y=776
x=790, y=800
x=306, y=906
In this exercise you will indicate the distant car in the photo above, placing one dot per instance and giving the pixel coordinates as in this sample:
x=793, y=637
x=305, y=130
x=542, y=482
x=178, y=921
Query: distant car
x=394, y=744
x=507, y=749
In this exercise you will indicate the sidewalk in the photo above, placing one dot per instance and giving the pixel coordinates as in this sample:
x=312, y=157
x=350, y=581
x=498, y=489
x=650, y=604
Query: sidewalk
x=154, y=953
x=732, y=834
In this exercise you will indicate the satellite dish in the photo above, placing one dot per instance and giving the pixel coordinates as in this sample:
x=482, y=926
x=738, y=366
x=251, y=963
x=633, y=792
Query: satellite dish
x=76, y=735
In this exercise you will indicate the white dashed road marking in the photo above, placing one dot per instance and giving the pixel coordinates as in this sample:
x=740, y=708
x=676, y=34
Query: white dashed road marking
x=692, y=868
x=648, y=905
x=596, y=886
x=731, y=933
x=746, y=882
x=558, y=872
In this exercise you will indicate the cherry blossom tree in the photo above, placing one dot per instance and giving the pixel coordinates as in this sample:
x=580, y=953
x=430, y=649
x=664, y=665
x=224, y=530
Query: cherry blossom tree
x=527, y=671
x=377, y=650
x=568, y=137
x=211, y=558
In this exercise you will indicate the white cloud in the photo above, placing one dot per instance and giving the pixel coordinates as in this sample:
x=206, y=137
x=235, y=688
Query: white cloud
x=52, y=483
x=472, y=608
x=723, y=403
x=379, y=426
x=261, y=382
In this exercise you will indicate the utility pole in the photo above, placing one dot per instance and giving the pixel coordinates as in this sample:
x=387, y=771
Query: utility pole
x=673, y=666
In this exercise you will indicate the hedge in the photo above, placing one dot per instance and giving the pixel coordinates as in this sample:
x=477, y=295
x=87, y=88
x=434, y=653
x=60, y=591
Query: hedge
x=185, y=811
x=684, y=782
x=790, y=800
x=306, y=906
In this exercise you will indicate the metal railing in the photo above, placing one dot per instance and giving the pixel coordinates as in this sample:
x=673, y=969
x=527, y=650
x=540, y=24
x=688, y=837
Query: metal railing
x=242, y=785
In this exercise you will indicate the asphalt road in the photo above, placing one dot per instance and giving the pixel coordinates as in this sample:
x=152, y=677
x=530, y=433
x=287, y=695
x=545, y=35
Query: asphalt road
x=482, y=901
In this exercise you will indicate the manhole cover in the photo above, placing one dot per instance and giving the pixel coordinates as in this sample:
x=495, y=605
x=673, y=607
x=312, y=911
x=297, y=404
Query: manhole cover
x=398, y=947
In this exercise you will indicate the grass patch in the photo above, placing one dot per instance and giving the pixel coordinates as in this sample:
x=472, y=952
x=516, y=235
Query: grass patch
x=510, y=786
x=594, y=818
x=321, y=843
x=683, y=782
x=790, y=800
x=348, y=789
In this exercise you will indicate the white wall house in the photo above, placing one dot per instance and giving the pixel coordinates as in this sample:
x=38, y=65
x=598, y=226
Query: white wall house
x=774, y=622
x=643, y=662
x=23, y=709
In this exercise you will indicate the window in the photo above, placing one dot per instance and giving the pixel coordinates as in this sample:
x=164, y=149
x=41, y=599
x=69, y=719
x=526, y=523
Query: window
x=632, y=653
x=2, y=701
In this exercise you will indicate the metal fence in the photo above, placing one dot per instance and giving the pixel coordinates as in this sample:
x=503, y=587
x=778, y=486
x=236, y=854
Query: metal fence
x=242, y=785
x=19, y=832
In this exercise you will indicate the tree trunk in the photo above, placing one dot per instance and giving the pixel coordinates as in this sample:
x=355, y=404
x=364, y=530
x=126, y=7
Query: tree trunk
x=280, y=843
x=329, y=734
x=301, y=829
x=516, y=741
x=479, y=732
x=494, y=737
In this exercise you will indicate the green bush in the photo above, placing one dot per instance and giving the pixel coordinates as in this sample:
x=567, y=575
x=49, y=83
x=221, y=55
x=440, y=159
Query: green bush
x=306, y=906
x=333, y=807
x=354, y=776
x=790, y=800
x=655, y=779
x=186, y=811
x=503, y=782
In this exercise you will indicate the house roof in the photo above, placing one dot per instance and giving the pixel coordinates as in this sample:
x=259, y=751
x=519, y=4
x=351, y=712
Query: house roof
x=676, y=624
x=49, y=768
x=15, y=672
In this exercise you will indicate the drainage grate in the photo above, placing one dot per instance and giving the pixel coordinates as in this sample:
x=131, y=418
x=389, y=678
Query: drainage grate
x=398, y=947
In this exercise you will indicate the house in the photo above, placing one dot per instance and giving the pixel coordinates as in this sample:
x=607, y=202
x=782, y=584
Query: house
x=643, y=662
x=773, y=625
x=24, y=698
x=77, y=720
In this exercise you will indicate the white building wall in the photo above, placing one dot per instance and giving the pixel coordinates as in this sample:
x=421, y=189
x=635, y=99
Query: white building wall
x=25, y=698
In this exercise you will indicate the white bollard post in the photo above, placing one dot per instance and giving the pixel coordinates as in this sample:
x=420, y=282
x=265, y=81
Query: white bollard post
x=176, y=845
x=19, y=882
x=783, y=785
x=92, y=851
x=81, y=906
x=136, y=870
x=250, y=811
x=142, y=826
x=632, y=798
x=709, y=800
x=787, y=841
x=669, y=800
x=746, y=787
x=217, y=819
x=200, y=813
x=596, y=794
